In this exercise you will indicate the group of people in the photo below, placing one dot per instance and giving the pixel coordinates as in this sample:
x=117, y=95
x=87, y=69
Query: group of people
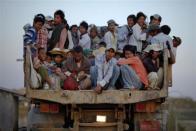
x=100, y=58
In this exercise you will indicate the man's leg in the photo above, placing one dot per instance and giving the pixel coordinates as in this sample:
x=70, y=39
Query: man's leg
x=94, y=74
x=115, y=75
x=160, y=77
x=153, y=80
x=44, y=75
x=129, y=77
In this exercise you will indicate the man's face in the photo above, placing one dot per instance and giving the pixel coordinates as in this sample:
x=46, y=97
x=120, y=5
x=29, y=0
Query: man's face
x=74, y=30
x=78, y=56
x=109, y=54
x=82, y=30
x=155, y=54
x=42, y=55
x=130, y=22
x=128, y=54
x=175, y=43
x=155, y=22
x=38, y=25
x=58, y=59
x=57, y=20
x=111, y=27
x=141, y=21
x=93, y=33
x=50, y=23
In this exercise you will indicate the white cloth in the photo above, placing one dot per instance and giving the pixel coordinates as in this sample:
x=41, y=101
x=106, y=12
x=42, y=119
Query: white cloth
x=153, y=80
x=138, y=37
x=71, y=45
x=110, y=40
x=85, y=41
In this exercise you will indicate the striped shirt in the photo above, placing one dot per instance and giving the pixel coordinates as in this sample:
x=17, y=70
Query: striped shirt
x=30, y=38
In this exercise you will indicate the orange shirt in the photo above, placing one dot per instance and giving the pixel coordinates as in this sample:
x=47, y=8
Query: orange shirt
x=138, y=66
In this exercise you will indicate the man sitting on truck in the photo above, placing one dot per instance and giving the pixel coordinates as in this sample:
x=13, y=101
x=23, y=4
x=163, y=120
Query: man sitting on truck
x=133, y=72
x=152, y=66
x=40, y=65
x=77, y=67
x=105, y=72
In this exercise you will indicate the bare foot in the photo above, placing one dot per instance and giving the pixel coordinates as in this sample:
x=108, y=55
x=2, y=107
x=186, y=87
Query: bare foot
x=98, y=90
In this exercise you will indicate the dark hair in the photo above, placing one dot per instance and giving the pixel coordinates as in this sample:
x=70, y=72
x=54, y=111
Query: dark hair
x=165, y=29
x=140, y=14
x=60, y=13
x=73, y=27
x=78, y=49
x=49, y=54
x=39, y=49
x=39, y=18
x=102, y=44
x=84, y=24
x=131, y=48
x=94, y=29
x=132, y=17
x=152, y=17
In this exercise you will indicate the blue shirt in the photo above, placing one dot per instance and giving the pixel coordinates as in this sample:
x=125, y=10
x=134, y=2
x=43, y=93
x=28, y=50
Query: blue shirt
x=105, y=69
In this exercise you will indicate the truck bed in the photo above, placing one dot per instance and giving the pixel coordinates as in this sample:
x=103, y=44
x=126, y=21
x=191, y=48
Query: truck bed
x=90, y=97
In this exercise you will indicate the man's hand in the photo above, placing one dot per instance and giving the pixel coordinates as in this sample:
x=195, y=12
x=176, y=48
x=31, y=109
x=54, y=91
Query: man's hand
x=98, y=89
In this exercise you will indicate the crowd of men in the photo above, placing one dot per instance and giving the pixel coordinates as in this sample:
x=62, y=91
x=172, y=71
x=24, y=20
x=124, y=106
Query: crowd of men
x=100, y=57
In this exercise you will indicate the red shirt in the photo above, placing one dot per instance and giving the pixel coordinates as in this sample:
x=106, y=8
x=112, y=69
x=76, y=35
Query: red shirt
x=138, y=67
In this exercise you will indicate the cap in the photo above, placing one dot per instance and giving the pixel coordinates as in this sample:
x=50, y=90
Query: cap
x=112, y=22
x=154, y=47
x=58, y=51
x=178, y=39
x=147, y=49
x=49, y=18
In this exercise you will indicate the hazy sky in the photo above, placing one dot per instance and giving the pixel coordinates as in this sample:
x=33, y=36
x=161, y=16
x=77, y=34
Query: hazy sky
x=179, y=14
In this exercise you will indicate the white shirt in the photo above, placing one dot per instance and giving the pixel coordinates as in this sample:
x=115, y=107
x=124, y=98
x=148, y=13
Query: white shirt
x=138, y=37
x=174, y=51
x=110, y=40
x=161, y=39
x=85, y=41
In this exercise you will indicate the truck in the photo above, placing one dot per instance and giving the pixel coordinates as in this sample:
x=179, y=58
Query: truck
x=85, y=110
